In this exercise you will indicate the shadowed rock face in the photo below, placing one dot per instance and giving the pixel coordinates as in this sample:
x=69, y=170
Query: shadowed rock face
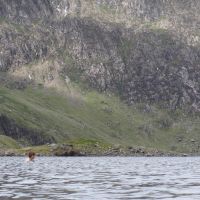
x=11, y=129
x=144, y=50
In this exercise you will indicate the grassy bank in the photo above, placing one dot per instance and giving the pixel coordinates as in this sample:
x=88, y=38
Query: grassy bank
x=83, y=117
x=7, y=142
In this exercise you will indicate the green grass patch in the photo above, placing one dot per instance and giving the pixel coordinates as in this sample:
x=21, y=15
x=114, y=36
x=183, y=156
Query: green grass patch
x=7, y=142
x=42, y=150
x=99, y=119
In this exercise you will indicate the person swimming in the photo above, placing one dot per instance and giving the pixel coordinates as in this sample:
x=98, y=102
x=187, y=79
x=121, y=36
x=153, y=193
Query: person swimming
x=31, y=156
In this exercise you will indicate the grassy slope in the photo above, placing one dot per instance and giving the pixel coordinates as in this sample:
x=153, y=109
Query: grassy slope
x=7, y=142
x=93, y=116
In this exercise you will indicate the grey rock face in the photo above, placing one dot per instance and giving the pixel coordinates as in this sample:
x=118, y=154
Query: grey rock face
x=24, y=10
x=11, y=129
x=145, y=50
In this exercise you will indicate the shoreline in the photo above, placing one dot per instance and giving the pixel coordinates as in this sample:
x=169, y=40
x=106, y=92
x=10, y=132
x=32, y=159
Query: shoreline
x=122, y=156
x=57, y=150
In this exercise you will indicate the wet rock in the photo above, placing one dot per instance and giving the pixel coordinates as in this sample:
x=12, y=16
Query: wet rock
x=149, y=155
x=68, y=153
x=9, y=153
x=130, y=148
x=66, y=150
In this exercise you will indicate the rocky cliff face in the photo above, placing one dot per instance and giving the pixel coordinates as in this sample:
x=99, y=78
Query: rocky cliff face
x=144, y=50
x=25, y=136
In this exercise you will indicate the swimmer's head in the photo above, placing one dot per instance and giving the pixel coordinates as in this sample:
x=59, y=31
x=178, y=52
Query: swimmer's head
x=31, y=155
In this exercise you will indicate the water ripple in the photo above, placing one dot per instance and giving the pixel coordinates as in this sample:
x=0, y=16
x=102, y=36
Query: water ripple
x=102, y=178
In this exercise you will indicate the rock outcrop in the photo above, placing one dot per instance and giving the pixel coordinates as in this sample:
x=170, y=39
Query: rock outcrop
x=26, y=136
x=144, y=50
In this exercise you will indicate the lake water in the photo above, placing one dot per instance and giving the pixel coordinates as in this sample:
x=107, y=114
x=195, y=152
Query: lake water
x=90, y=178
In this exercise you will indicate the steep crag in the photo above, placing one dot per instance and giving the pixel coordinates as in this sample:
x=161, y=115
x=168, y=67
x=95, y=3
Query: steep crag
x=150, y=61
x=145, y=51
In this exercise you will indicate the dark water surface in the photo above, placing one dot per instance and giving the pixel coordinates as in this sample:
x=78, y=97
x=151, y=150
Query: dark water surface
x=88, y=178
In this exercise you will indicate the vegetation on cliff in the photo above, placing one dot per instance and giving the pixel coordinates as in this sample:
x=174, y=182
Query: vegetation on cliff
x=85, y=115
x=116, y=72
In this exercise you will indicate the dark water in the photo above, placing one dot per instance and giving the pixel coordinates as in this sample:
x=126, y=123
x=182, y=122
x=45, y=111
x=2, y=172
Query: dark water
x=100, y=178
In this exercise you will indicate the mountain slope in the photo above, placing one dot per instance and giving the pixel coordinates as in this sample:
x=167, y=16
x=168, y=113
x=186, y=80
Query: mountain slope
x=141, y=54
x=91, y=116
x=155, y=59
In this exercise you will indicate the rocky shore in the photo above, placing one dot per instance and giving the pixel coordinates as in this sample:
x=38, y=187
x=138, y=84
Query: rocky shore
x=68, y=150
